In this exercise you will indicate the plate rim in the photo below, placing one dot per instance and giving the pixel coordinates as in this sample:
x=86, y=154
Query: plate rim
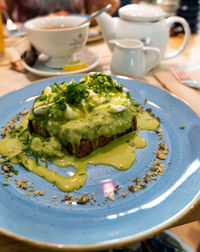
x=116, y=242
x=101, y=245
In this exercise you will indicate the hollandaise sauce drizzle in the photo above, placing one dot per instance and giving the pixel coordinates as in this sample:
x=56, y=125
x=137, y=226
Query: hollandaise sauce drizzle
x=107, y=155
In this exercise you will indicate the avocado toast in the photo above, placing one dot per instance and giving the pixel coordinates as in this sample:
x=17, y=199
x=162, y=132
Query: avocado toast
x=84, y=115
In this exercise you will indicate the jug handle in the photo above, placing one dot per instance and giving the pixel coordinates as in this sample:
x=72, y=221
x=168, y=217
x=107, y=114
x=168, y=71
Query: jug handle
x=152, y=57
x=183, y=22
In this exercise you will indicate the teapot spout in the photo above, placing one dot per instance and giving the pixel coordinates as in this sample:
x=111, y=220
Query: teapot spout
x=108, y=26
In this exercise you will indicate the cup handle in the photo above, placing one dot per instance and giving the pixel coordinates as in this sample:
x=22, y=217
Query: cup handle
x=152, y=57
x=186, y=27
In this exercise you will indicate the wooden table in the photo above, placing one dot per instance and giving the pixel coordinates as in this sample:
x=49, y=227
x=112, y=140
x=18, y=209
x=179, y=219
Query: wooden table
x=11, y=80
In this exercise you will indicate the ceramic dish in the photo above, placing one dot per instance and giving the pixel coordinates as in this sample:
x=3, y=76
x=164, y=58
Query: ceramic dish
x=88, y=55
x=48, y=222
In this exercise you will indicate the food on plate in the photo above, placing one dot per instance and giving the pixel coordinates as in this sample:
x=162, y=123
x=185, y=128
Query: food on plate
x=84, y=115
x=74, y=124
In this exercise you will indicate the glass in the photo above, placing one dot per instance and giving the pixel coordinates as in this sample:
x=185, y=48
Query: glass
x=1, y=34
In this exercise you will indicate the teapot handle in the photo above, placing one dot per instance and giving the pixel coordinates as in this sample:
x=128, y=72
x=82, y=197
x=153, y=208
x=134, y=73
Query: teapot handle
x=183, y=22
x=152, y=57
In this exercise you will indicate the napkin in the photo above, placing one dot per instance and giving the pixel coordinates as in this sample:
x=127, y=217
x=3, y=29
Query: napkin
x=189, y=95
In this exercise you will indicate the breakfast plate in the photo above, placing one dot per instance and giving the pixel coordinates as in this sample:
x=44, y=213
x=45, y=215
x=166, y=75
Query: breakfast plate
x=87, y=55
x=47, y=221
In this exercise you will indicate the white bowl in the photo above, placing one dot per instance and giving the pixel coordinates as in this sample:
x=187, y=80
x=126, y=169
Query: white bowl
x=60, y=44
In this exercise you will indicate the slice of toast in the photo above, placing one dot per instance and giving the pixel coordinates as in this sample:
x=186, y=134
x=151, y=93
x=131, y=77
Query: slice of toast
x=85, y=147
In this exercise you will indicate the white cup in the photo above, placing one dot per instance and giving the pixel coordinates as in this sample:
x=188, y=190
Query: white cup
x=48, y=36
x=131, y=58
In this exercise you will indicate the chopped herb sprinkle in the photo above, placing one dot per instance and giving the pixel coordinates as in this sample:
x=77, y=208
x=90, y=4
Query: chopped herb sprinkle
x=76, y=93
x=6, y=183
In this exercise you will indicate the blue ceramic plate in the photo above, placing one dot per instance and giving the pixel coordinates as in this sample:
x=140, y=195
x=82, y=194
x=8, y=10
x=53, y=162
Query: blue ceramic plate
x=46, y=222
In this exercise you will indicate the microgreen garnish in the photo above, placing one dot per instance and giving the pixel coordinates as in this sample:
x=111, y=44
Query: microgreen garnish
x=6, y=183
x=55, y=88
x=42, y=97
x=75, y=93
x=128, y=95
x=13, y=169
x=46, y=164
x=16, y=131
x=36, y=157
x=102, y=83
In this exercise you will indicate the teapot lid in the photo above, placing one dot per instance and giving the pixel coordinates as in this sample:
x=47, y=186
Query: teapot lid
x=141, y=12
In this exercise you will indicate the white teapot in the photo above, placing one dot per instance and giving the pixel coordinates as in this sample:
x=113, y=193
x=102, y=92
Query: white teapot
x=143, y=22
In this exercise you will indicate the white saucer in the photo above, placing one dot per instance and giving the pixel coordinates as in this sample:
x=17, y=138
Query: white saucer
x=88, y=55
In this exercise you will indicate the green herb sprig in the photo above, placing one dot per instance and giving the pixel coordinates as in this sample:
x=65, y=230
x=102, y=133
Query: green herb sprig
x=102, y=83
x=10, y=167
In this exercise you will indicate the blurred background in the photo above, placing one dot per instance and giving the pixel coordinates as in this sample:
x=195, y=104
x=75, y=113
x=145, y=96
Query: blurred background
x=188, y=9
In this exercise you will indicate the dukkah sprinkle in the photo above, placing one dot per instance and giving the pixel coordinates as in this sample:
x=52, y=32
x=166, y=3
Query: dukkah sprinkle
x=6, y=129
